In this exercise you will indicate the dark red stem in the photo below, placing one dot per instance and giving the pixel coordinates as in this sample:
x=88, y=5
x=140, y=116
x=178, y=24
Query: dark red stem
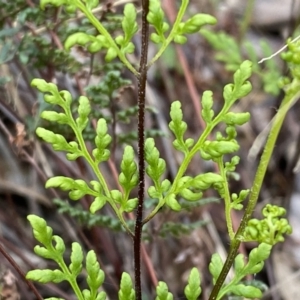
x=141, y=145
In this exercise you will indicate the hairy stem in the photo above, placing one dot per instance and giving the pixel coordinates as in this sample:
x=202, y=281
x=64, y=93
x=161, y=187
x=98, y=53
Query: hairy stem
x=141, y=145
x=258, y=180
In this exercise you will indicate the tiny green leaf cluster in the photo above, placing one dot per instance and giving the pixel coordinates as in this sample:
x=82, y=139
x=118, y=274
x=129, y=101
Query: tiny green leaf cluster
x=126, y=291
x=193, y=290
x=179, y=127
x=78, y=188
x=193, y=25
x=115, y=47
x=155, y=169
x=130, y=27
x=238, y=199
x=96, y=43
x=156, y=18
x=162, y=292
x=53, y=248
x=254, y=265
x=128, y=179
x=291, y=85
x=269, y=230
x=192, y=188
x=122, y=44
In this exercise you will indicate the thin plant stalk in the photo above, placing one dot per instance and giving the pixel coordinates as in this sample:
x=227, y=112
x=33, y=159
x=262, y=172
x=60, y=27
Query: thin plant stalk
x=142, y=80
x=286, y=104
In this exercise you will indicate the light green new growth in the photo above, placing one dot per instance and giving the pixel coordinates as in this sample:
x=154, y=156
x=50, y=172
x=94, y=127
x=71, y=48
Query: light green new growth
x=193, y=290
x=162, y=292
x=191, y=188
x=179, y=28
x=271, y=229
x=78, y=188
x=53, y=248
x=235, y=286
x=126, y=291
